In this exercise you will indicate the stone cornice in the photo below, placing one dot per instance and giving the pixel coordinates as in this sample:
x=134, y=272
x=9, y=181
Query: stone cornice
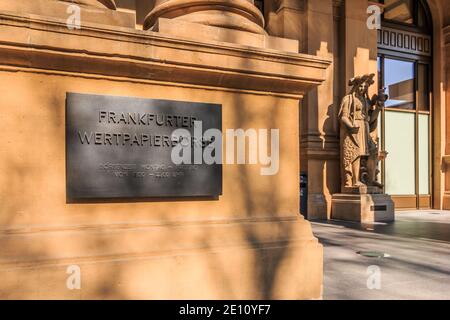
x=314, y=146
x=44, y=43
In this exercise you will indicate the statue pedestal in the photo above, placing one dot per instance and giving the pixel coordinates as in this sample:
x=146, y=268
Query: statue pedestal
x=362, y=204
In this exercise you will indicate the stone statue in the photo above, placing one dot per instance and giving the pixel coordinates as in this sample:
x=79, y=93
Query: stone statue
x=358, y=117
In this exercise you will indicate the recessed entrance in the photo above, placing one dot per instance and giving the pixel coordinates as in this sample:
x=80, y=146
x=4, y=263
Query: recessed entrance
x=404, y=66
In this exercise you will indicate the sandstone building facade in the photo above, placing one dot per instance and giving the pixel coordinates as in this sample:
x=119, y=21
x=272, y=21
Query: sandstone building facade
x=269, y=64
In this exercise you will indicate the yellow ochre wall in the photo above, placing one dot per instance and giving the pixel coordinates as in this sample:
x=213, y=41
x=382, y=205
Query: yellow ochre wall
x=33, y=153
x=137, y=249
x=250, y=243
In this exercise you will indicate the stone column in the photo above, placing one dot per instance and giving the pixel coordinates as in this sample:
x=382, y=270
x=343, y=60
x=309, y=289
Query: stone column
x=232, y=14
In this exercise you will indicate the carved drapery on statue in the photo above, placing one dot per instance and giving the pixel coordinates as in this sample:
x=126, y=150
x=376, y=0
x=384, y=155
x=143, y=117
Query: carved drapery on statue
x=358, y=120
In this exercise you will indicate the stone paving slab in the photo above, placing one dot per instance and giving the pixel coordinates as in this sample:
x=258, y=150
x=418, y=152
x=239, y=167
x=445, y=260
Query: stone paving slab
x=418, y=266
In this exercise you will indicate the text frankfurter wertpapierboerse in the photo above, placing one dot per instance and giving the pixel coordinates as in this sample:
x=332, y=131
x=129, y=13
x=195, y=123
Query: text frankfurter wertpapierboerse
x=120, y=147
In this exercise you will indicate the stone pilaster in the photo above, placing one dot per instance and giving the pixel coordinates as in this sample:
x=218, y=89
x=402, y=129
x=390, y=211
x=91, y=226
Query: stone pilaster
x=231, y=14
x=312, y=23
x=319, y=142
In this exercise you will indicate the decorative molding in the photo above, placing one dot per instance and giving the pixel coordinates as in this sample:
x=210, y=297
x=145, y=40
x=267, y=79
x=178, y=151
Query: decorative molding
x=131, y=225
x=92, y=76
x=264, y=71
x=404, y=41
x=319, y=147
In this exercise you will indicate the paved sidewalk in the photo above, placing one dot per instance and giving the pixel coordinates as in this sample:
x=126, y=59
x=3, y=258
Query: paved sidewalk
x=418, y=266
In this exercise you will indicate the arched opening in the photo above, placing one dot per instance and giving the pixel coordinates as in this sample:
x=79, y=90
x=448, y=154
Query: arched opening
x=405, y=70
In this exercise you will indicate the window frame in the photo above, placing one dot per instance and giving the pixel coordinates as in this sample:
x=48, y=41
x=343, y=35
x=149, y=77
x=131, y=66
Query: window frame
x=416, y=60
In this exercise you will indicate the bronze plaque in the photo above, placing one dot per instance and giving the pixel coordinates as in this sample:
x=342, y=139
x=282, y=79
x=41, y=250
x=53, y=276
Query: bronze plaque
x=120, y=147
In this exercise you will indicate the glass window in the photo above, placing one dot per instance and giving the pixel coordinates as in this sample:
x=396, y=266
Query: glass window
x=399, y=10
x=399, y=82
x=423, y=88
x=400, y=143
x=406, y=122
x=406, y=135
